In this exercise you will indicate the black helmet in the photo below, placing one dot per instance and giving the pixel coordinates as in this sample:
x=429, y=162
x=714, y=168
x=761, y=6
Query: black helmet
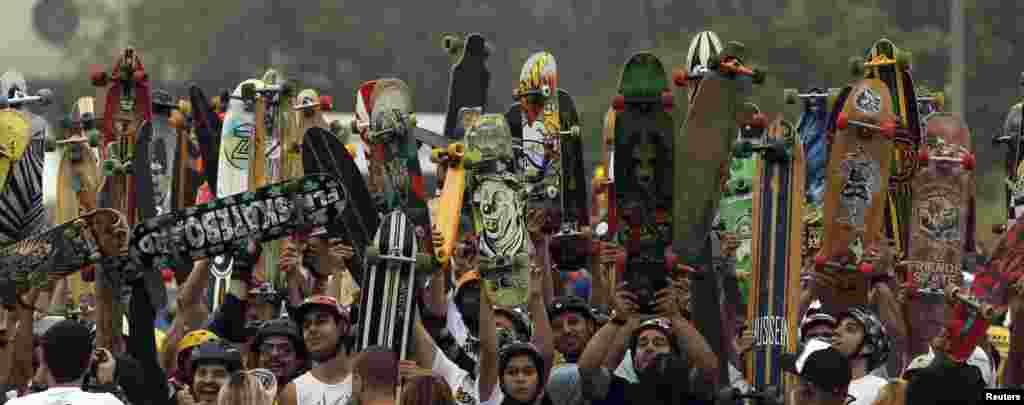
x=570, y=303
x=216, y=352
x=281, y=327
x=519, y=320
x=161, y=98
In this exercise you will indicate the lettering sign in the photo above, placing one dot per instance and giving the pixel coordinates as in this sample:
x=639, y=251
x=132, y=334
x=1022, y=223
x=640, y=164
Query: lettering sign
x=770, y=331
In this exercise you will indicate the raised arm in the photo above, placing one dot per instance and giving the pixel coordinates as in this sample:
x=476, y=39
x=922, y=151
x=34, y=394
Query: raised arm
x=488, y=346
x=543, y=338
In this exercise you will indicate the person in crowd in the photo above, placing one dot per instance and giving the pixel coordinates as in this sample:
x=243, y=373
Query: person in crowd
x=861, y=337
x=279, y=348
x=375, y=376
x=212, y=363
x=573, y=324
x=426, y=389
x=325, y=331
x=251, y=387
x=824, y=374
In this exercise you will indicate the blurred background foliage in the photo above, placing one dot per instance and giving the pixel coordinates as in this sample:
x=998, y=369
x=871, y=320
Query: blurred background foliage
x=334, y=45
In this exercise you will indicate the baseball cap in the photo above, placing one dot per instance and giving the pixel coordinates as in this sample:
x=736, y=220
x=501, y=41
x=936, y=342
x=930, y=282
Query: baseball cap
x=820, y=364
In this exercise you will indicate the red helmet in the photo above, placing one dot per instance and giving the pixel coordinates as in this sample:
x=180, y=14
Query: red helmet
x=325, y=302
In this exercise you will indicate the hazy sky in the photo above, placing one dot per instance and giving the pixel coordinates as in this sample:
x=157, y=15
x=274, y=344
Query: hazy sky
x=22, y=48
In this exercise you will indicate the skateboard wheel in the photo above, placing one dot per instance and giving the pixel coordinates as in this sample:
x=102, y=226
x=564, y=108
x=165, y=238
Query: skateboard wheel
x=758, y=76
x=425, y=263
x=552, y=192
x=856, y=66
x=968, y=161
x=819, y=262
x=167, y=275
x=668, y=102
x=97, y=75
x=865, y=268
x=680, y=78
x=843, y=121
x=326, y=103
x=453, y=44
x=790, y=95
x=372, y=255
x=922, y=156
x=619, y=103
x=759, y=121
x=89, y=273
x=139, y=75
x=888, y=128
x=456, y=150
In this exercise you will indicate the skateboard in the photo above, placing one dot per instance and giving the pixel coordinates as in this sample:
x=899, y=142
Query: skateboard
x=207, y=125
x=469, y=78
x=403, y=243
x=643, y=194
x=778, y=211
x=892, y=65
x=702, y=155
x=21, y=160
x=703, y=48
x=567, y=249
x=93, y=238
x=219, y=226
x=855, y=190
x=735, y=210
x=941, y=188
x=499, y=210
x=812, y=127
x=78, y=175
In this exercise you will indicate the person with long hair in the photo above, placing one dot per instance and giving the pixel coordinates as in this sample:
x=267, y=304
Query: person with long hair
x=252, y=387
x=427, y=389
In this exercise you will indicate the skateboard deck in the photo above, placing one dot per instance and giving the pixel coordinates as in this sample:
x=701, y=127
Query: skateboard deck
x=892, y=65
x=643, y=193
x=324, y=153
x=469, y=80
x=21, y=177
x=941, y=189
x=219, y=226
x=855, y=192
x=403, y=240
x=812, y=127
x=499, y=210
x=735, y=210
x=538, y=100
x=567, y=249
x=778, y=224
x=207, y=125
x=1012, y=138
x=90, y=239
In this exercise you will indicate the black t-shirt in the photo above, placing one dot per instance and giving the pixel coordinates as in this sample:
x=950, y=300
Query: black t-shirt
x=604, y=388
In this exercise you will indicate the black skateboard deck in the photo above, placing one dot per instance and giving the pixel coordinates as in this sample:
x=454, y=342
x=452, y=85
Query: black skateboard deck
x=207, y=125
x=567, y=249
x=469, y=81
x=322, y=152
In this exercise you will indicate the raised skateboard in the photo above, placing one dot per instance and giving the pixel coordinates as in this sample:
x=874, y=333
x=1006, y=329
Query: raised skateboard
x=941, y=188
x=778, y=211
x=892, y=66
x=93, y=238
x=812, y=127
x=1012, y=138
x=499, y=209
x=703, y=48
x=643, y=193
x=855, y=191
x=403, y=241
x=702, y=155
x=21, y=160
x=736, y=208
x=469, y=80
x=207, y=125
x=567, y=249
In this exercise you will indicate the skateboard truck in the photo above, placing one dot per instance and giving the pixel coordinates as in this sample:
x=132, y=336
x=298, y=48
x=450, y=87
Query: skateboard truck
x=667, y=101
x=43, y=97
x=986, y=311
x=821, y=263
x=966, y=159
x=422, y=262
x=792, y=95
x=887, y=127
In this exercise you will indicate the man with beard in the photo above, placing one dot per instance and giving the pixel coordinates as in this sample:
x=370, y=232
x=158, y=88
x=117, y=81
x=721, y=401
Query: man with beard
x=573, y=324
x=279, y=348
x=325, y=329
x=213, y=363
x=664, y=349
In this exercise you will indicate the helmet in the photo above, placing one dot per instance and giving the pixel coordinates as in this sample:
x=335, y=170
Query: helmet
x=814, y=316
x=570, y=303
x=216, y=352
x=654, y=322
x=876, y=344
x=519, y=320
x=265, y=292
x=195, y=338
x=513, y=349
x=162, y=98
x=281, y=327
x=323, y=301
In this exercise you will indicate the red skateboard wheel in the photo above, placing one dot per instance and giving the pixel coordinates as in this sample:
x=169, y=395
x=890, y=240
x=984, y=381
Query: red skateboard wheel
x=680, y=78
x=922, y=156
x=619, y=103
x=668, y=101
x=843, y=121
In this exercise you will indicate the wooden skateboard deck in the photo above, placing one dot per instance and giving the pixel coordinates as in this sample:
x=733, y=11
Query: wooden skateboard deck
x=778, y=224
x=469, y=80
x=499, y=210
x=19, y=175
x=858, y=175
x=892, y=66
x=941, y=188
x=92, y=238
x=567, y=249
x=539, y=119
x=643, y=189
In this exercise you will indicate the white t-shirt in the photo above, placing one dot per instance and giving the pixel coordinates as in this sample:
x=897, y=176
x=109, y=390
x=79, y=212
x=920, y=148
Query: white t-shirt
x=311, y=391
x=66, y=396
x=864, y=390
x=980, y=360
x=464, y=387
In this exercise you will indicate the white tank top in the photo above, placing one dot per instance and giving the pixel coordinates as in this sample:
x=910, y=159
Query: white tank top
x=311, y=391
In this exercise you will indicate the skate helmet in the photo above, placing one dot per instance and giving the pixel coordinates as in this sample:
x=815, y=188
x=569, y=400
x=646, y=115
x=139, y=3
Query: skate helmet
x=876, y=345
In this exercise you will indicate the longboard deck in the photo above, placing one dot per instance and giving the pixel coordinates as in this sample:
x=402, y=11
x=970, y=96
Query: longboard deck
x=469, y=82
x=566, y=248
